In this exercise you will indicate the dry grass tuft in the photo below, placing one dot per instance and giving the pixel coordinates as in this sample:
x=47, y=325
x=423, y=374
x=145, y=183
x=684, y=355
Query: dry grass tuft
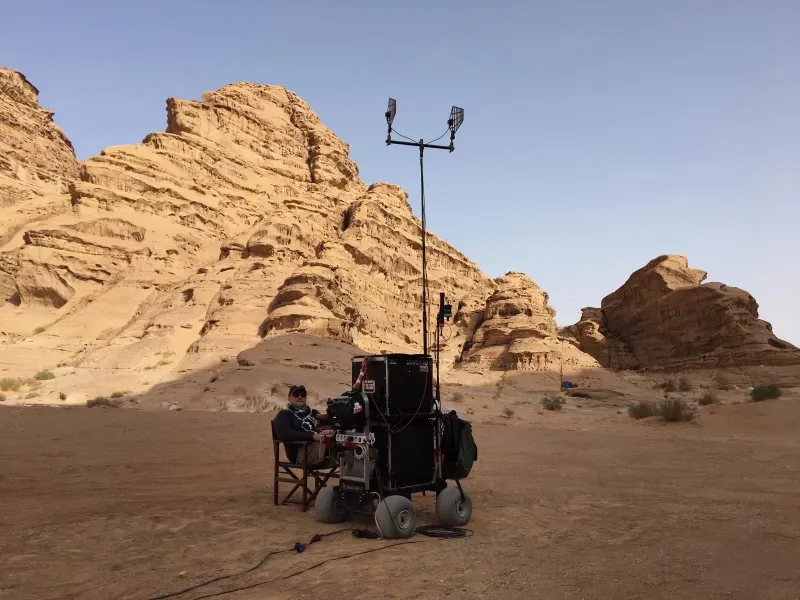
x=552, y=402
x=641, y=410
x=675, y=409
x=10, y=384
x=708, y=398
x=102, y=402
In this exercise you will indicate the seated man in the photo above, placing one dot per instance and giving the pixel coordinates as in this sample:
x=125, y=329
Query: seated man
x=298, y=422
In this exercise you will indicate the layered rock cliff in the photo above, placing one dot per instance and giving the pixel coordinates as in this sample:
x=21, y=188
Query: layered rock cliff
x=517, y=331
x=245, y=218
x=37, y=162
x=664, y=316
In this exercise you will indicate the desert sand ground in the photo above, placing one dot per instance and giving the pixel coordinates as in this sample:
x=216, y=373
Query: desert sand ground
x=132, y=504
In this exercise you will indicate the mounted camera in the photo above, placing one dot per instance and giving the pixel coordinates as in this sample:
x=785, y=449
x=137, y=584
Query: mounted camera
x=347, y=412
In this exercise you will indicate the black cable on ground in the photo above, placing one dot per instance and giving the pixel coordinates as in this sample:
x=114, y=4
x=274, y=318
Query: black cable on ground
x=439, y=532
x=300, y=572
x=298, y=547
x=447, y=533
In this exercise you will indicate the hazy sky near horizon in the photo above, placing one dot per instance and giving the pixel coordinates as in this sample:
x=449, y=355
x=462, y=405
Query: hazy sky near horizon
x=598, y=134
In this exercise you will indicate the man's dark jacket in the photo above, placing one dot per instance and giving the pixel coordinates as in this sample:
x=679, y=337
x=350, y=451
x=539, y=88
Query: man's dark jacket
x=288, y=429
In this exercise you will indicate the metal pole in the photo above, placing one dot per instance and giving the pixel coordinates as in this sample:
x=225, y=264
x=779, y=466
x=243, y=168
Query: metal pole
x=421, y=145
x=424, y=256
x=439, y=325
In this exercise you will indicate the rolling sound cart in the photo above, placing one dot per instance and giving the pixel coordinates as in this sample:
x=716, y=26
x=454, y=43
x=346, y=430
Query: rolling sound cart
x=392, y=440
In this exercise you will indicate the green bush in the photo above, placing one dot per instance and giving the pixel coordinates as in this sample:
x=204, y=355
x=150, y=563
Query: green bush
x=552, y=402
x=641, y=410
x=769, y=391
x=44, y=375
x=675, y=409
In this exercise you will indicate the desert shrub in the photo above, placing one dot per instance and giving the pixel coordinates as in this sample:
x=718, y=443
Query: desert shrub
x=675, y=409
x=2, y=397
x=275, y=389
x=578, y=394
x=240, y=389
x=552, y=402
x=102, y=402
x=685, y=385
x=669, y=386
x=508, y=412
x=44, y=376
x=641, y=410
x=708, y=398
x=258, y=404
x=458, y=398
x=767, y=391
x=10, y=384
x=62, y=396
x=119, y=394
x=38, y=330
x=723, y=382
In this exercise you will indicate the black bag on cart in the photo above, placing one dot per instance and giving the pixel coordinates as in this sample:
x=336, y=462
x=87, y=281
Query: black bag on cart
x=459, y=450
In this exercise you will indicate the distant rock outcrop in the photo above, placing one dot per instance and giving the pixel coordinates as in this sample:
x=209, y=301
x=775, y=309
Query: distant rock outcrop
x=518, y=331
x=665, y=317
x=591, y=336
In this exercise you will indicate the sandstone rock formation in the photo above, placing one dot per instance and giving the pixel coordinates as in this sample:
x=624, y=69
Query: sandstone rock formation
x=37, y=162
x=517, y=331
x=665, y=317
x=245, y=218
x=591, y=335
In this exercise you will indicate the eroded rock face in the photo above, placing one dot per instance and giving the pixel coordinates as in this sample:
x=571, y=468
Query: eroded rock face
x=37, y=161
x=664, y=316
x=245, y=218
x=365, y=286
x=590, y=335
x=181, y=241
x=518, y=331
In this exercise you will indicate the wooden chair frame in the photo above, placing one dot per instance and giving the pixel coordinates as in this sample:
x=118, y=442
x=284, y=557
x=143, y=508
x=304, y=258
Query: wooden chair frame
x=286, y=471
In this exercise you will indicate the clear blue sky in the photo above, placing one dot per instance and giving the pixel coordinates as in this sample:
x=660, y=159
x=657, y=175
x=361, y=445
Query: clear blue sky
x=598, y=133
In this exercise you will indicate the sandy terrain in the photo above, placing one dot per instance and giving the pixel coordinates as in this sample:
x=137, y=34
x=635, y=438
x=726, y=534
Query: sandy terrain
x=99, y=504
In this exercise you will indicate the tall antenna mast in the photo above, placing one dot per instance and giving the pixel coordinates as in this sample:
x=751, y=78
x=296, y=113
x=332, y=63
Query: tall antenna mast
x=453, y=123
